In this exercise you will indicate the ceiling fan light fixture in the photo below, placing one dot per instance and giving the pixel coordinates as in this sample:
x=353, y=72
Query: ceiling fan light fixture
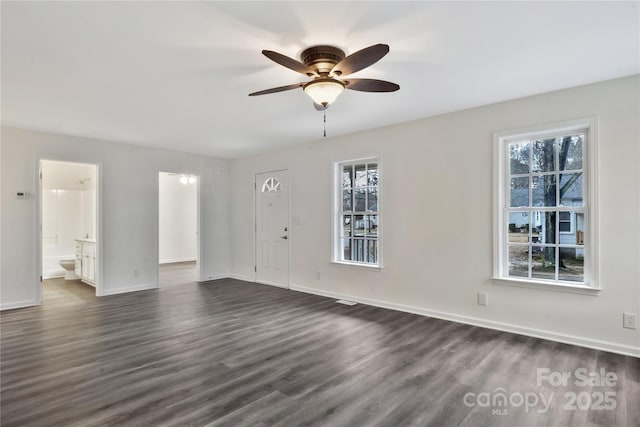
x=324, y=91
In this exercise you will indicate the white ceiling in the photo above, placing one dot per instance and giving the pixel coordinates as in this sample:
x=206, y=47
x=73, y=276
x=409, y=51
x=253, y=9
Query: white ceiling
x=176, y=74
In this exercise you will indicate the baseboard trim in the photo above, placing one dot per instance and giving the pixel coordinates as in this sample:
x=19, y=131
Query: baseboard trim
x=490, y=324
x=53, y=274
x=145, y=287
x=240, y=277
x=18, y=304
x=260, y=282
x=171, y=261
x=277, y=285
x=214, y=277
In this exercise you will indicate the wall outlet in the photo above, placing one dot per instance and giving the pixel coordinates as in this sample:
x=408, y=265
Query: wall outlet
x=630, y=320
x=483, y=298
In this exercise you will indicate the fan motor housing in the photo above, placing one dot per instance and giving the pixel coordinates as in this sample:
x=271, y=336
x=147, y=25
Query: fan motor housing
x=322, y=58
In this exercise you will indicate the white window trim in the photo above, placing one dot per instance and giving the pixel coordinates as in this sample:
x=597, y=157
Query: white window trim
x=591, y=285
x=336, y=203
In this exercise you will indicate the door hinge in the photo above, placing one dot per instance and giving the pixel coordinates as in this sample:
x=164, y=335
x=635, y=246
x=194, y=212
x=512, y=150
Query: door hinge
x=255, y=268
x=40, y=174
x=41, y=278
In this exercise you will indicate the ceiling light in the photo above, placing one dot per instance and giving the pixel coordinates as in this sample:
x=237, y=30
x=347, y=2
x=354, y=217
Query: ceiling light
x=192, y=179
x=184, y=180
x=324, y=90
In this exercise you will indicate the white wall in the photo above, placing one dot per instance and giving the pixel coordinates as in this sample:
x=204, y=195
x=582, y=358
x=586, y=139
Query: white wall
x=129, y=241
x=437, y=195
x=178, y=216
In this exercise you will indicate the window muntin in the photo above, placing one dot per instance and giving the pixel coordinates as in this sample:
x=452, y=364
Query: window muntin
x=544, y=205
x=357, y=237
x=271, y=184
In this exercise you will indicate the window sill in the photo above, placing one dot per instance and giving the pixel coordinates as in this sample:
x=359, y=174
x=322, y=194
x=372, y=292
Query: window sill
x=546, y=286
x=358, y=264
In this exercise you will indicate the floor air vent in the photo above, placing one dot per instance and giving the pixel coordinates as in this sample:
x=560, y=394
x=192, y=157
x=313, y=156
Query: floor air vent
x=345, y=302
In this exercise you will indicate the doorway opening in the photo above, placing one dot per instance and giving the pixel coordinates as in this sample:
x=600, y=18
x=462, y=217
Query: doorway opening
x=178, y=229
x=272, y=228
x=69, y=231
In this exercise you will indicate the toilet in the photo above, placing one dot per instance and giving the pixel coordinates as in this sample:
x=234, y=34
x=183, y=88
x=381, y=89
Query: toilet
x=70, y=267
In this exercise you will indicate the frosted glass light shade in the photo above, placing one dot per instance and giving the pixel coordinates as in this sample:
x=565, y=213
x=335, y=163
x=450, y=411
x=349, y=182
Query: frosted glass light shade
x=324, y=91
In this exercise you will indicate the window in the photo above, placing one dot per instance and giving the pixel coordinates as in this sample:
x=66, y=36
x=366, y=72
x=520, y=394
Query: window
x=358, y=213
x=564, y=222
x=544, y=216
x=271, y=184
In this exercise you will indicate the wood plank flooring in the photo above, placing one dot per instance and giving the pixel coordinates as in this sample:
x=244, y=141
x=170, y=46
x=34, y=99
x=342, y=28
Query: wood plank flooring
x=232, y=353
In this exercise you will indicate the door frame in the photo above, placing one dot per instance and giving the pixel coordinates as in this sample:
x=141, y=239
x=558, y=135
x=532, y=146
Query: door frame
x=255, y=227
x=199, y=277
x=99, y=215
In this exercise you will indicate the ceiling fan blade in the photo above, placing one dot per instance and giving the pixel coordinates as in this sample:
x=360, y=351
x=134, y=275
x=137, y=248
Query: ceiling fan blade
x=277, y=89
x=370, y=85
x=360, y=59
x=290, y=63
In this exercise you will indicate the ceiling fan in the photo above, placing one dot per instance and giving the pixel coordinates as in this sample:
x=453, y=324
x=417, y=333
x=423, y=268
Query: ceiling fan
x=327, y=65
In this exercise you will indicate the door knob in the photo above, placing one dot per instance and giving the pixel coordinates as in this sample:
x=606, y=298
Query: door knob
x=285, y=237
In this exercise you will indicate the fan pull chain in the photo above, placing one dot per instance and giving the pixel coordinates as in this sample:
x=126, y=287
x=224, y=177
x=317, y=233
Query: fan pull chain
x=324, y=116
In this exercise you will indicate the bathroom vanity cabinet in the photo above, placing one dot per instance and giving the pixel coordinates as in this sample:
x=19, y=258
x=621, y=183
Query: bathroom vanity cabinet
x=86, y=260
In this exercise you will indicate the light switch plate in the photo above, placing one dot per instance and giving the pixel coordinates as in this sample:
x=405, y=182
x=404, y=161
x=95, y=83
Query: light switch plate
x=483, y=298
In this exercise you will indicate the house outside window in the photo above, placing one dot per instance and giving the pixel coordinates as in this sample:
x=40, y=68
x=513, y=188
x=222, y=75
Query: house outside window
x=357, y=231
x=544, y=206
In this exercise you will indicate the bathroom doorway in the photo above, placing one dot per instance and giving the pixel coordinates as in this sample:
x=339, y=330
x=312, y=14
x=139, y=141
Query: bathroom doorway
x=69, y=231
x=178, y=229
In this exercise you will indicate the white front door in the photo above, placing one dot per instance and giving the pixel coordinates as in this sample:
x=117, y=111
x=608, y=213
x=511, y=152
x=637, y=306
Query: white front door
x=272, y=228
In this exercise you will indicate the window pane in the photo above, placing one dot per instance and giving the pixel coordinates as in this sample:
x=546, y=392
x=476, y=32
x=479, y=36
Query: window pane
x=359, y=225
x=346, y=226
x=571, y=189
x=347, y=176
x=372, y=251
x=358, y=250
x=372, y=174
x=361, y=176
x=579, y=227
x=346, y=200
x=519, y=192
x=543, y=155
x=570, y=157
x=519, y=261
x=372, y=199
x=518, y=227
x=346, y=249
x=571, y=265
x=543, y=191
x=543, y=226
x=564, y=225
x=519, y=158
x=271, y=184
x=359, y=199
x=571, y=227
x=543, y=263
x=372, y=225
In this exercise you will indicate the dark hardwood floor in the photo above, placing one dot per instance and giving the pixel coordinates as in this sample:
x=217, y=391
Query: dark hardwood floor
x=232, y=353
